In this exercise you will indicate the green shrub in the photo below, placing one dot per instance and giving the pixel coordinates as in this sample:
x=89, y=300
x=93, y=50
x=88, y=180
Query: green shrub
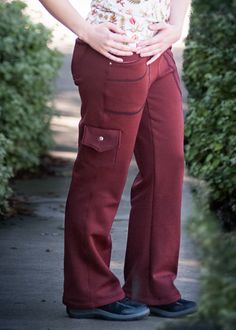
x=217, y=251
x=27, y=69
x=210, y=144
x=5, y=172
x=210, y=126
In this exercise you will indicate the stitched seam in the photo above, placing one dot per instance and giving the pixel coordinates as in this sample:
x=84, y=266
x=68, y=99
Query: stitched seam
x=124, y=113
x=136, y=60
x=177, y=82
x=91, y=194
x=128, y=80
x=173, y=66
x=170, y=56
x=93, y=144
x=153, y=185
x=79, y=57
x=153, y=188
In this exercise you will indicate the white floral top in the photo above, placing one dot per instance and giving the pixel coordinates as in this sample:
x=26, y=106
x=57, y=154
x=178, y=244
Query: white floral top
x=133, y=16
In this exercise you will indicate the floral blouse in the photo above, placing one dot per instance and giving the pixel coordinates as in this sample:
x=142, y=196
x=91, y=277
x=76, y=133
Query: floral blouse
x=133, y=16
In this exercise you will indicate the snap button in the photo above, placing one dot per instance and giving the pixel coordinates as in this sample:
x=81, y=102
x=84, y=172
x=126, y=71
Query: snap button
x=100, y=138
x=110, y=63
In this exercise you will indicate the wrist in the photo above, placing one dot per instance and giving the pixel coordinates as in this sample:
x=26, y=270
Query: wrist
x=178, y=30
x=84, y=32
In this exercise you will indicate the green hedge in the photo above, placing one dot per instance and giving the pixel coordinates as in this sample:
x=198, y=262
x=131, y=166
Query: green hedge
x=27, y=69
x=210, y=145
x=210, y=126
x=217, y=253
x=6, y=171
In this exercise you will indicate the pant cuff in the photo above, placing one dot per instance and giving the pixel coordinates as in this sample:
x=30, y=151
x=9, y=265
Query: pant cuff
x=155, y=301
x=98, y=303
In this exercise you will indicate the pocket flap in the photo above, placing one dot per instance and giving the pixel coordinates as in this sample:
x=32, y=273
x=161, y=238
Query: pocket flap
x=100, y=139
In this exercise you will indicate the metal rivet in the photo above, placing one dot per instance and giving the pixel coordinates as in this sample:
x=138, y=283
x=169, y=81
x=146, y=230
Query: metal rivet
x=110, y=63
x=101, y=138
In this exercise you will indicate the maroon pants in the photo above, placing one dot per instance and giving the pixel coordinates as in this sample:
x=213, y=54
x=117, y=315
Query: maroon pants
x=126, y=107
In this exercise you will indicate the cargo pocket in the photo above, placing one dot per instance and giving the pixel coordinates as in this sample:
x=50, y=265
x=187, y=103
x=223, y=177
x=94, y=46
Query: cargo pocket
x=99, y=146
x=168, y=55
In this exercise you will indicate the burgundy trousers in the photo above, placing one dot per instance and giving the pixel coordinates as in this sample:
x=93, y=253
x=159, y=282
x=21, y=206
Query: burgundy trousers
x=126, y=107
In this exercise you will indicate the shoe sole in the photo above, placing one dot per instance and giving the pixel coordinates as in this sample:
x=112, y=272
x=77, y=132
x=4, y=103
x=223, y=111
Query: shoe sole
x=98, y=313
x=162, y=313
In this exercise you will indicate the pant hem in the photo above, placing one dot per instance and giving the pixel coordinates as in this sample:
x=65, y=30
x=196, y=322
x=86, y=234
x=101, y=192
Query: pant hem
x=98, y=303
x=156, y=301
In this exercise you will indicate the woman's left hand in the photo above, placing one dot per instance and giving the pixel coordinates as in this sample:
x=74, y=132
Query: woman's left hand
x=166, y=35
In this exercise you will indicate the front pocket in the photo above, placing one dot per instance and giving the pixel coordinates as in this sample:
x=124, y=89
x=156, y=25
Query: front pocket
x=125, y=90
x=125, y=98
x=99, y=146
x=133, y=68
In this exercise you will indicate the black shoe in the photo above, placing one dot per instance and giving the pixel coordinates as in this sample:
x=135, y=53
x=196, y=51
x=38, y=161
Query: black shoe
x=179, y=308
x=120, y=310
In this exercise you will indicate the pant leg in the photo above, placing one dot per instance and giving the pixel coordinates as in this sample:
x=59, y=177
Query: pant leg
x=154, y=226
x=111, y=113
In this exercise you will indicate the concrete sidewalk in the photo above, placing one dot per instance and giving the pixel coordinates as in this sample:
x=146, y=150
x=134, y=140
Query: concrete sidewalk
x=31, y=246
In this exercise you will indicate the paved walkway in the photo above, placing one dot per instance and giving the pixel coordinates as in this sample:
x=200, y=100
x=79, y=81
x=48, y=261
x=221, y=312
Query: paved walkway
x=31, y=246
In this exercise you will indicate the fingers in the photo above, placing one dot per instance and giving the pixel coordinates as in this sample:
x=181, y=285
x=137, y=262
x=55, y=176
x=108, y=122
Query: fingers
x=117, y=50
x=111, y=41
x=118, y=41
x=120, y=46
x=122, y=39
x=112, y=57
x=153, y=59
x=153, y=41
x=158, y=37
x=149, y=50
x=152, y=53
x=117, y=46
x=120, y=52
x=117, y=34
x=158, y=26
x=114, y=28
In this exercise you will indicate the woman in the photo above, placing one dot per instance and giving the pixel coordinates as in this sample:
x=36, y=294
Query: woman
x=131, y=101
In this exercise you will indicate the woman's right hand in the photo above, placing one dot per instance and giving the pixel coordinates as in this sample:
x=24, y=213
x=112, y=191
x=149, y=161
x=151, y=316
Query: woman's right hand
x=109, y=40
